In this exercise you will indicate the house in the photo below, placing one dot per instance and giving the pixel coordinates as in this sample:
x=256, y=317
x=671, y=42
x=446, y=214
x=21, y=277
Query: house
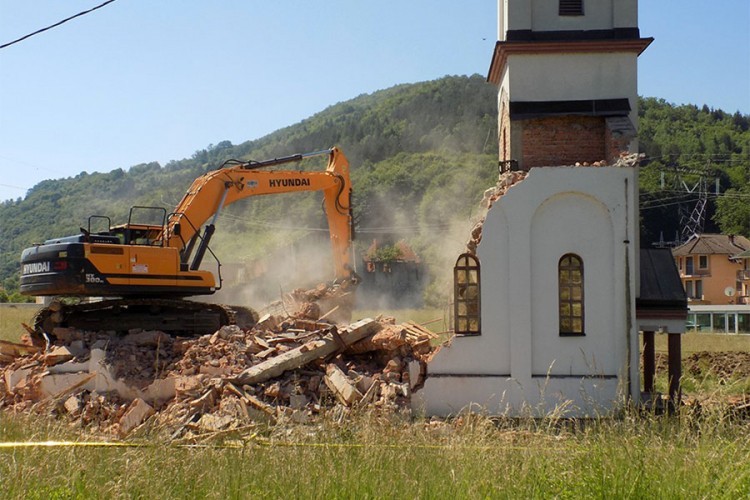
x=710, y=273
x=391, y=276
x=548, y=304
x=743, y=277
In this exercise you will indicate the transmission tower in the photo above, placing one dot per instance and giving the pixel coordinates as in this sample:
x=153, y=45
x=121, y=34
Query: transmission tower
x=692, y=211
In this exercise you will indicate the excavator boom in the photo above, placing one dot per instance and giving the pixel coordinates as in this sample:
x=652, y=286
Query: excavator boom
x=211, y=192
x=147, y=265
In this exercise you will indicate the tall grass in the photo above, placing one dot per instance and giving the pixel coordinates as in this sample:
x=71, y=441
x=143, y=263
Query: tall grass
x=635, y=456
x=697, y=453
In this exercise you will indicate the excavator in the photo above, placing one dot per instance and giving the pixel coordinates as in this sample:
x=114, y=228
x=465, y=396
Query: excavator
x=144, y=272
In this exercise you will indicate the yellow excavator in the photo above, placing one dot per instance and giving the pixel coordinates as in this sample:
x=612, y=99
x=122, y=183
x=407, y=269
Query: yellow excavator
x=146, y=270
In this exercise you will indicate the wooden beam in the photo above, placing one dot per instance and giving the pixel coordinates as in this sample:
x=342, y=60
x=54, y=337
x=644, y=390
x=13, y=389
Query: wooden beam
x=299, y=357
x=649, y=362
x=674, y=348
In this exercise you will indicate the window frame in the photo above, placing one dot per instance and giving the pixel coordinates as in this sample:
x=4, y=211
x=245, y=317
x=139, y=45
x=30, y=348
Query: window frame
x=689, y=289
x=570, y=295
x=467, y=312
x=701, y=260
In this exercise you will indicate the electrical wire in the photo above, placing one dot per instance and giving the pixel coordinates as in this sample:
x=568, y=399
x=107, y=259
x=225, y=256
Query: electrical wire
x=56, y=24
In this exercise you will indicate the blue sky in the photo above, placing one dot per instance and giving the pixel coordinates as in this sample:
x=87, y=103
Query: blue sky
x=140, y=81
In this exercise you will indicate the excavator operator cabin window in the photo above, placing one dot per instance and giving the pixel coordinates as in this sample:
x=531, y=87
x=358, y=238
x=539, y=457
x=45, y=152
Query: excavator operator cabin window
x=466, y=295
x=570, y=283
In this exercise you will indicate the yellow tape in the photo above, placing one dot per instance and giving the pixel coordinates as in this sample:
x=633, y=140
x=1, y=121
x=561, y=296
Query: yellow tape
x=60, y=444
x=261, y=442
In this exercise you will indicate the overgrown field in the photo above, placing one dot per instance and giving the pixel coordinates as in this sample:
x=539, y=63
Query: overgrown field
x=698, y=453
x=636, y=456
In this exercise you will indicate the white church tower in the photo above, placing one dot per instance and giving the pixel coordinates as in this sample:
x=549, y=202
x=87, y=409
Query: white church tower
x=566, y=71
x=546, y=295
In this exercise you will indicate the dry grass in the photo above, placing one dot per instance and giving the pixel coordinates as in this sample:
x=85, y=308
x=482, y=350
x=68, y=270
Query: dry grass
x=634, y=455
x=371, y=456
x=11, y=317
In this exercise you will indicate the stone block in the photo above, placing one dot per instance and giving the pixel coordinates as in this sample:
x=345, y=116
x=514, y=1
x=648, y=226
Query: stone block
x=136, y=414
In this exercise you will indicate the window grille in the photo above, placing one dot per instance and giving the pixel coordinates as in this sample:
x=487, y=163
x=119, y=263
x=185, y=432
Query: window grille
x=466, y=295
x=570, y=286
x=571, y=7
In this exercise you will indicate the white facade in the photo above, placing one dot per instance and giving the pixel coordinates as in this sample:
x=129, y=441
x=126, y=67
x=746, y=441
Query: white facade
x=573, y=76
x=542, y=15
x=520, y=364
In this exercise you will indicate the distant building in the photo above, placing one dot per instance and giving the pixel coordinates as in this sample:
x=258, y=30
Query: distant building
x=710, y=273
x=393, y=276
x=743, y=277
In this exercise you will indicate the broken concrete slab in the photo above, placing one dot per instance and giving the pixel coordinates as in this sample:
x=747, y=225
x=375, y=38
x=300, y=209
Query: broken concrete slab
x=16, y=378
x=57, y=385
x=310, y=351
x=58, y=355
x=137, y=413
x=162, y=389
x=343, y=388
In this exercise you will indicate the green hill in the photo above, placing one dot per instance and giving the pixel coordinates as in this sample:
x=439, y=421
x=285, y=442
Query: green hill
x=421, y=154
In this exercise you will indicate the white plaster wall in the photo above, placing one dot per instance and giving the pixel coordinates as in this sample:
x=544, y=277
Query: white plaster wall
x=502, y=6
x=563, y=77
x=543, y=15
x=625, y=13
x=517, y=15
x=518, y=290
x=490, y=351
x=512, y=397
x=581, y=225
x=560, y=76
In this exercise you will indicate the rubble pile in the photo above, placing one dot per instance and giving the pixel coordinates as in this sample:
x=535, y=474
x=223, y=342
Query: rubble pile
x=287, y=367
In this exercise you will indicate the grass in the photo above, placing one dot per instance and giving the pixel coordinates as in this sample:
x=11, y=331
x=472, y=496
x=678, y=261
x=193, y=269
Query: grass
x=693, y=454
x=711, y=342
x=11, y=317
x=368, y=456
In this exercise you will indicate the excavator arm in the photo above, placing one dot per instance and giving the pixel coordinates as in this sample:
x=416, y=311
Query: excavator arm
x=210, y=193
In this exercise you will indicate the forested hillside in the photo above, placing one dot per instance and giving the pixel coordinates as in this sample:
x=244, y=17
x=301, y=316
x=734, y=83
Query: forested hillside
x=684, y=145
x=410, y=147
x=421, y=154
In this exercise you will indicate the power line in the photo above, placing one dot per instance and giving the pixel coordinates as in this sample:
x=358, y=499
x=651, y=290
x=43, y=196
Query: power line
x=56, y=24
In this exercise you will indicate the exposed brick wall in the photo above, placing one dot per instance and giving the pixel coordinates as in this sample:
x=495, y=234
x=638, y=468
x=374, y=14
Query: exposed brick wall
x=564, y=140
x=615, y=146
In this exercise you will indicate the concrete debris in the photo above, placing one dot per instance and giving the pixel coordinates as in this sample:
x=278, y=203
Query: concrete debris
x=137, y=413
x=288, y=367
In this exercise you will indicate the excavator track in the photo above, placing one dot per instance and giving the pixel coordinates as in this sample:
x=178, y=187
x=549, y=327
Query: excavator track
x=174, y=316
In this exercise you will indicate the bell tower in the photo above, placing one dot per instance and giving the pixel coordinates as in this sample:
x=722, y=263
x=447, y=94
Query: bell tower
x=566, y=72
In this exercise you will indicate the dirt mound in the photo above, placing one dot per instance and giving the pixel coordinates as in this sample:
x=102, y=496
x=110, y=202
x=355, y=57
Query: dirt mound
x=724, y=365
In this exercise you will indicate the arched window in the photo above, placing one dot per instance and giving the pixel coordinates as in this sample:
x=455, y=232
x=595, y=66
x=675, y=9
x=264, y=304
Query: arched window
x=570, y=285
x=466, y=295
